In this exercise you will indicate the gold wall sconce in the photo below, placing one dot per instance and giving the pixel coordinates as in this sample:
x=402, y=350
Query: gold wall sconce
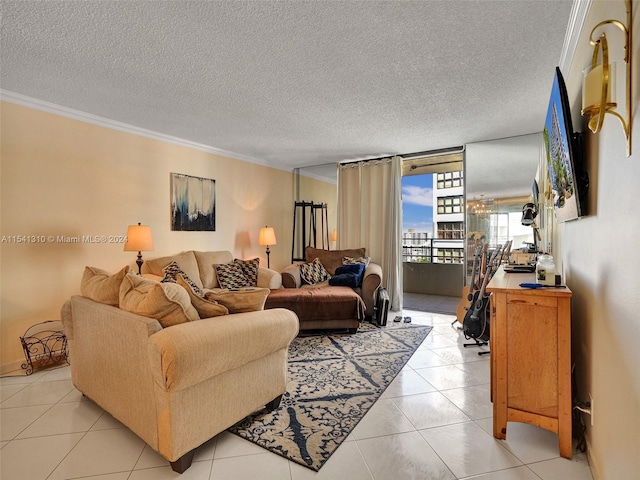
x=598, y=87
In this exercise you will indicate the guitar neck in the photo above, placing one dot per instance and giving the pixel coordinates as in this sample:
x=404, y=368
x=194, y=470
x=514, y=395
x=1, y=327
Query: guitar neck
x=492, y=264
x=473, y=286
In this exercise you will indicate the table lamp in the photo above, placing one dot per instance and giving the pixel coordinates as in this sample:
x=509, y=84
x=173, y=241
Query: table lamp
x=139, y=239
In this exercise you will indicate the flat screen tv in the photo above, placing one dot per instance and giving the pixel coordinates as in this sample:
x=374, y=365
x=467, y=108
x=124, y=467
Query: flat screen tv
x=569, y=182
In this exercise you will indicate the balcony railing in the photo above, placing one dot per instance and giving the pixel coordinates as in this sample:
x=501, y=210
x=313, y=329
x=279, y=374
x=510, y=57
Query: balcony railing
x=419, y=248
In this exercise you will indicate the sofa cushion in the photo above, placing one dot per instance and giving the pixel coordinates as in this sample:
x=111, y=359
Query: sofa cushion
x=206, y=262
x=332, y=259
x=313, y=272
x=248, y=299
x=230, y=275
x=206, y=308
x=250, y=269
x=102, y=286
x=172, y=270
x=168, y=303
x=186, y=261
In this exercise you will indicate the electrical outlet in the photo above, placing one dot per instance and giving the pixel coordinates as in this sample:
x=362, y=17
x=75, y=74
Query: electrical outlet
x=591, y=408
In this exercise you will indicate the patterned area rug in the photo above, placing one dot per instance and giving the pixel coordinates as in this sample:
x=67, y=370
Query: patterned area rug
x=333, y=381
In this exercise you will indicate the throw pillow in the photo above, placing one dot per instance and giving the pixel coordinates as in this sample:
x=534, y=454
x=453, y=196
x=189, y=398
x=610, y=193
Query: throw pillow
x=206, y=265
x=230, y=275
x=351, y=260
x=168, y=303
x=249, y=299
x=101, y=286
x=206, y=308
x=250, y=269
x=313, y=272
x=172, y=270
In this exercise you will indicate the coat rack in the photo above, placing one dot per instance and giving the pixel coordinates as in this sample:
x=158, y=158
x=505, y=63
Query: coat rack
x=306, y=224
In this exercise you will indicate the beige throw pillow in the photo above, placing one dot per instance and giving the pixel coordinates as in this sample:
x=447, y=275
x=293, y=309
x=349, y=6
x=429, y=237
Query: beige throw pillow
x=249, y=299
x=168, y=303
x=102, y=286
x=206, y=308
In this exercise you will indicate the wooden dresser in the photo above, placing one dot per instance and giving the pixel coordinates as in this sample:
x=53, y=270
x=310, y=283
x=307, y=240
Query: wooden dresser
x=530, y=356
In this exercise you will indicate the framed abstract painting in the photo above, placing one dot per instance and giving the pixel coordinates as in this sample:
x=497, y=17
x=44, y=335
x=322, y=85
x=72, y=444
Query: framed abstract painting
x=193, y=203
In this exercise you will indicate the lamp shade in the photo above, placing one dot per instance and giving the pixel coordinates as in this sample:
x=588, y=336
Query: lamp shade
x=139, y=239
x=334, y=235
x=267, y=236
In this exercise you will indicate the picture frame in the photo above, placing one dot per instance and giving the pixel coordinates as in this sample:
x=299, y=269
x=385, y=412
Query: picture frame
x=193, y=203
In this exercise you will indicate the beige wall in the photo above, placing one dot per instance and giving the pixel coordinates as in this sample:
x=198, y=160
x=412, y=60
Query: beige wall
x=64, y=177
x=599, y=257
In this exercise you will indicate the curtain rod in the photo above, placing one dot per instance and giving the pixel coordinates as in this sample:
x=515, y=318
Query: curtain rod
x=407, y=156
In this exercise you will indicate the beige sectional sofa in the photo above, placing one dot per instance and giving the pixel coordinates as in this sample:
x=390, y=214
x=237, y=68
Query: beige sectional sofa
x=179, y=386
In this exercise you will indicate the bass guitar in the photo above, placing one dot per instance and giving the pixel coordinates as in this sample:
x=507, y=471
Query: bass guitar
x=476, y=323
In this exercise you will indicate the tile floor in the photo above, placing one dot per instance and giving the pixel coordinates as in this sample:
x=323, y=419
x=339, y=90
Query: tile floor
x=430, y=303
x=433, y=422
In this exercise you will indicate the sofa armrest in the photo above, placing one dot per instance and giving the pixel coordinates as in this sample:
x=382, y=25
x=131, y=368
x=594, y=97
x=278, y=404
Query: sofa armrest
x=291, y=276
x=187, y=354
x=108, y=348
x=268, y=278
x=370, y=283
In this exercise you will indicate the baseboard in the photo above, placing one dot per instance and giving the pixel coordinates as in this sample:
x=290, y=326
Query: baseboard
x=593, y=465
x=12, y=367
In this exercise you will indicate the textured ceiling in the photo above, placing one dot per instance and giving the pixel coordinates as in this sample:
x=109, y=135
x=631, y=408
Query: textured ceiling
x=293, y=83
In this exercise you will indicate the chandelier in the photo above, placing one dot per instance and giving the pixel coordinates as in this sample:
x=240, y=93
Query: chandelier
x=481, y=207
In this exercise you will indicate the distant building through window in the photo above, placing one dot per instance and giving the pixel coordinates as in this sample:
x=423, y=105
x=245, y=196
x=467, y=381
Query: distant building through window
x=434, y=230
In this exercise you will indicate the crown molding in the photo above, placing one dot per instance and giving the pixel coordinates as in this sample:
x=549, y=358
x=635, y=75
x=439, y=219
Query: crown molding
x=577, y=18
x=62, y=111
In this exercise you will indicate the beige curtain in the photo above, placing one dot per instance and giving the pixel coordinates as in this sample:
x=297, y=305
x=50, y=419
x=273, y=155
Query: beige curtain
x=370, y=216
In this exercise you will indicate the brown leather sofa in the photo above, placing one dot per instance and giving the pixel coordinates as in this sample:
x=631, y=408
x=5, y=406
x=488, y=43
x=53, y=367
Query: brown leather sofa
x=332, y=259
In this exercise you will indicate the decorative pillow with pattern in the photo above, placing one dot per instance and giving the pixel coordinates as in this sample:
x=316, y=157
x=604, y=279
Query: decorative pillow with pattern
x=250, y=269
x=351, y=260
x=313, y=272
x=230, y=275
x=170, y=273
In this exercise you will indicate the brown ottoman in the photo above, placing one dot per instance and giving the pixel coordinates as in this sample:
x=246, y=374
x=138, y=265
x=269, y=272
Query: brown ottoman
x=321, y=308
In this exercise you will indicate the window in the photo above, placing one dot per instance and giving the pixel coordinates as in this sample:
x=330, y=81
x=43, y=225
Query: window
x=450, y=255
x=451, y=230
x=451, y=204
x=449, y=179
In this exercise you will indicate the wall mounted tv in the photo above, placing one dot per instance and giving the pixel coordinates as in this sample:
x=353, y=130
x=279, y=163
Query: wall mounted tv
x=569, y=182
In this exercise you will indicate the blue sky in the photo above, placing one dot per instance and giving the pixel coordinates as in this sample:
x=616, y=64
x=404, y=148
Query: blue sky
x=417, y=203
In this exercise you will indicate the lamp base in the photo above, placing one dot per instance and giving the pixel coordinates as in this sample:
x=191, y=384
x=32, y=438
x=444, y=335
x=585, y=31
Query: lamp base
x=139, y=262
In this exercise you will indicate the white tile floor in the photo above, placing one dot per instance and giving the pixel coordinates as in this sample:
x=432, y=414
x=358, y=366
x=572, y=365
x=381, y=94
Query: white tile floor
x=433, y=422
